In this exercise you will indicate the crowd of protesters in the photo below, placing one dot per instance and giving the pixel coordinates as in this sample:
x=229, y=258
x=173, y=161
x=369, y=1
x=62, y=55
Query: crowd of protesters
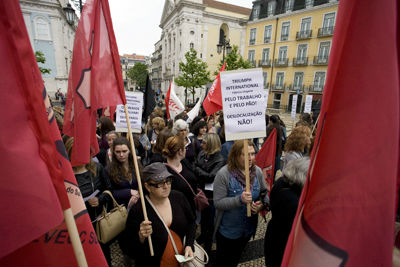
x=176, y=158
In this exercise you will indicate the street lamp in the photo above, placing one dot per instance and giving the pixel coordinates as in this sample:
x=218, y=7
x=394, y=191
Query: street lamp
x=221, y=47
x=69, y=13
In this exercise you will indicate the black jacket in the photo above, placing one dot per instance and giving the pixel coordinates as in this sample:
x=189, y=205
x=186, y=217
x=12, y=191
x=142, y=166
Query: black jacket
x=207, y=167
x=183, y=224
x=88, y=184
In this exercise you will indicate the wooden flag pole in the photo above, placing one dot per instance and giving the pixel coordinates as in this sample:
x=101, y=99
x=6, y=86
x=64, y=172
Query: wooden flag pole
x=137, y=174
x=315, y=125
x=75, y=239
x=246, y=170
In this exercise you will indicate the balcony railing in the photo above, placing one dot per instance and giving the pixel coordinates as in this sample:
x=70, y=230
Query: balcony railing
x=300, y=61
x=281, y=62
x=316, y=88
x=295, y=87
x=284, y=37
x=325, y=31
x=266, y=85
x=278, y=87
x=301, y=35
x=264, y=63
x=321, y=60
x=252, y=63
x=267, y=40
x=252, y=42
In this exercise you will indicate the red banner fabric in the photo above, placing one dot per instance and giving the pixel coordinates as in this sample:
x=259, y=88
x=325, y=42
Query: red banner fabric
x=265, y=159
x=31, y=182
x=346, y=212
x=95, y=79
x=213, y=101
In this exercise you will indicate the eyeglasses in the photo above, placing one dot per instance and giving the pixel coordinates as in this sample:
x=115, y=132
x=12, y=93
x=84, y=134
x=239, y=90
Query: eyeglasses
x=162, y=183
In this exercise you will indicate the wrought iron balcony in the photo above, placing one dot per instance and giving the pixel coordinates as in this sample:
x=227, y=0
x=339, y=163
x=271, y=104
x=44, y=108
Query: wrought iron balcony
x=253, y=63
x=278, y=87
x=321, y=60
x=316, y=88
x=325, y=31
x=281, y=62
x=300, y=61
x=301, y=35
x=264, y=63
x=267, y=40
x=266, y=85
x=284, y=37
x=296, y=87
x=252, y=41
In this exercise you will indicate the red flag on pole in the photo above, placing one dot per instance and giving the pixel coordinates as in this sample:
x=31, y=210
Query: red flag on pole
x=346, y=215
x=265, y=159
x=173, y=104
x=31, y=186
x=95, y=79
x=213, y=101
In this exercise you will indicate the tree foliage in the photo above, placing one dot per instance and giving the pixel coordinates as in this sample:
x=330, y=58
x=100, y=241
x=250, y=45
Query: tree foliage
x=194, y=73
x=40, y=58
x=138, y=74
x=234, y=61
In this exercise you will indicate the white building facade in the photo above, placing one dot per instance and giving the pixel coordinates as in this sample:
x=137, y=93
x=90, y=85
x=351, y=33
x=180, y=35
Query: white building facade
x=50, y=33
x=197, y=24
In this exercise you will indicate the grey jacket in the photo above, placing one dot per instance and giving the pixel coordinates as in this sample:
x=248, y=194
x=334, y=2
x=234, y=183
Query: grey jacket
x=221, y=187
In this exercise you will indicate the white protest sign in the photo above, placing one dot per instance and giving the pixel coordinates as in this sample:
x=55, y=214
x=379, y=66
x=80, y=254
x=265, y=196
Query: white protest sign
x=307, y=105
x=294, y=106
x=244, y=104
x=134, y=101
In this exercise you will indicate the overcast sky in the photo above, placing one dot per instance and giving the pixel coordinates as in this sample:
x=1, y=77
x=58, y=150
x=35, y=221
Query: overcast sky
x=136, y=23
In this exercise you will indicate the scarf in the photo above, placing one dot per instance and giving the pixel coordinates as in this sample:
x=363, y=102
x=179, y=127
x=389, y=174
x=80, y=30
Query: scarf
x=238, y=174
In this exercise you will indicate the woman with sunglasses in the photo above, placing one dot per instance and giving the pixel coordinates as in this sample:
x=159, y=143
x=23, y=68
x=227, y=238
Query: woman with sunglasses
x=181, y=222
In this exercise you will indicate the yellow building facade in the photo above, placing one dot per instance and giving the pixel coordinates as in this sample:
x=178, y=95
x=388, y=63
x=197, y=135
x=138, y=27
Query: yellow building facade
x=291, y=43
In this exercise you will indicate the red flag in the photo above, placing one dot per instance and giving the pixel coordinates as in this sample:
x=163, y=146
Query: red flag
x=33, y=158
x=95, y=79
x=265, y=159
x=173, y=104
x=213, y=101
x=346, y=212
x=31, y=182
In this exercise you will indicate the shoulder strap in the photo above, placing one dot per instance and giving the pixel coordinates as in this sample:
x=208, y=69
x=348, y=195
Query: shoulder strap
x=166, y=227
x=180, y=175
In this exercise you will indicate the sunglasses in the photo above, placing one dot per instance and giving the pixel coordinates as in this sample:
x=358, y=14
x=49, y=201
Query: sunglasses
x=161, y=184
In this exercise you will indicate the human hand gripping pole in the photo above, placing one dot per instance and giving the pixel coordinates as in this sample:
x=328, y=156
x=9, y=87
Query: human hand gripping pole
x=138, y=176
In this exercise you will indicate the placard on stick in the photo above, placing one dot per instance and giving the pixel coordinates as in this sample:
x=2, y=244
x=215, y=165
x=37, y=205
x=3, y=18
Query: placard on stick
x=134, y=101
x=244, y=103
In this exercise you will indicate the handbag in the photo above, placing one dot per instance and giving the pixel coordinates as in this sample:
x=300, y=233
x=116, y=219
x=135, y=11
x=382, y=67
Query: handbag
x=110, y=224
x=200, y=256
x=200, y=199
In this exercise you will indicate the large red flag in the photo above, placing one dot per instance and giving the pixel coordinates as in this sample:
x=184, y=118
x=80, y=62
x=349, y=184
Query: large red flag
x=346, y=212
x=28, y=201
x=213, y=101
x=265, y=159
x=32, y=230
x=95, y=79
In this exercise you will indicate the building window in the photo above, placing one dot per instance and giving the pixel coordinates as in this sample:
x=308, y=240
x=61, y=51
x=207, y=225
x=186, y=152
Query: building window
x=267, y=33
x=302, y=52
x=305, y=26
x=319, y=80
x=42, y=29
x=298, y=80
x=329, y=23
x=289, y=5
x=265, y=55
x=191, y=45
x=253, y=33
x=323, y=53
x=309, y=3
x=265, y=79
x=280, y=77
x=251, y=56
x=282, y=55
x=271, y=8
x=285, y=31
x=256, y=12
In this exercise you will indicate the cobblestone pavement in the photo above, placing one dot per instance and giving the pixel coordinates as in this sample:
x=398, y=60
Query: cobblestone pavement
x=253, y=255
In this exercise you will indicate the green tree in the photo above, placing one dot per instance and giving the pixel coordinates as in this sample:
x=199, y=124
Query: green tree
x=40, y=58
x=194, y=73
x=138, y=74
x=234, y=61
